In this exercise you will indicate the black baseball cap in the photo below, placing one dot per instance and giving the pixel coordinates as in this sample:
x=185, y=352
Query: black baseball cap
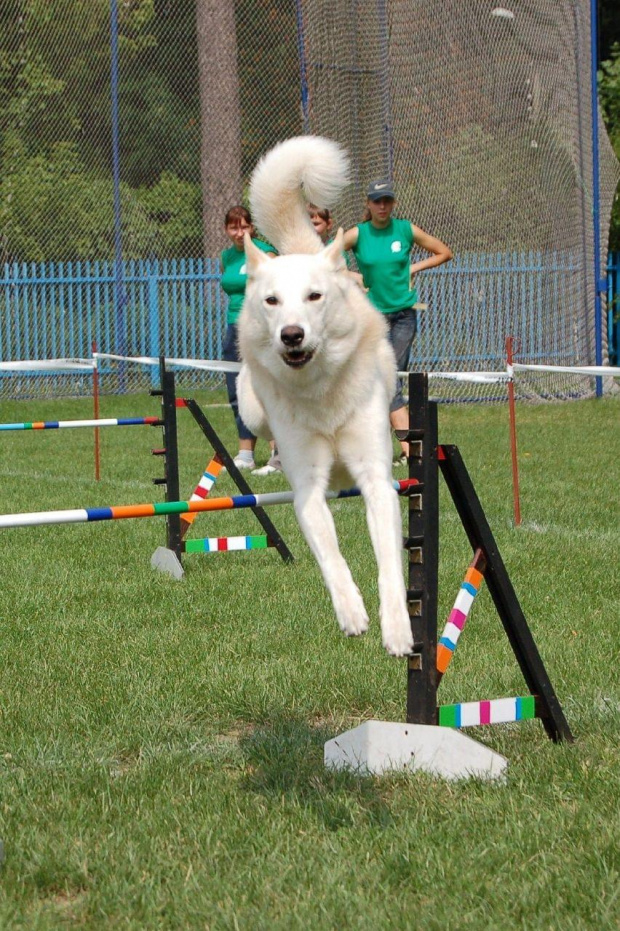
x=379, y=189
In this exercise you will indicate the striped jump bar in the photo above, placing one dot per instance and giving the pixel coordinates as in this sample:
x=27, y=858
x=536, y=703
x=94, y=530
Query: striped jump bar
x=226, y=544
x=496, y=711
x=87, y=515
x=204, y=486
x=61, y=424
x=460, y=612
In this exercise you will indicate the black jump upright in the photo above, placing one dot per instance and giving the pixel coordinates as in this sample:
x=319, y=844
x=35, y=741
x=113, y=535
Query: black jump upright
x=426, y=458
x=170, y=451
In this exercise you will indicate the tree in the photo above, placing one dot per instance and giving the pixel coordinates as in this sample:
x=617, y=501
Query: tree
x=220, y=118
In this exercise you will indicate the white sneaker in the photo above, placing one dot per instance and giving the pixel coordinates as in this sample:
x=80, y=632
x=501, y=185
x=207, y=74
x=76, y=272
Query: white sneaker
x=274, y=465
x=244, y=465
x=265, y=470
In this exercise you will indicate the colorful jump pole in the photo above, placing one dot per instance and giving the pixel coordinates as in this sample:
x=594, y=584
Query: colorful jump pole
x=455, y=624
x=119, y=512
x=64, y=424
x=202, y=489
x=227, y=544
x=493, y=711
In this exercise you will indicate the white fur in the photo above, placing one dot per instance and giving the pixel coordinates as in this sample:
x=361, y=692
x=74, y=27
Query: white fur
x=329, y=414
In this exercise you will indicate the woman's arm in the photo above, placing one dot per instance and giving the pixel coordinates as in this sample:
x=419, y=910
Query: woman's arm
x=350, y=238
x=440, y=253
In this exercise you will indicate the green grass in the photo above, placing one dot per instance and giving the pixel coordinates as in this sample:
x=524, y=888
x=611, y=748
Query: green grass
x=161, y=743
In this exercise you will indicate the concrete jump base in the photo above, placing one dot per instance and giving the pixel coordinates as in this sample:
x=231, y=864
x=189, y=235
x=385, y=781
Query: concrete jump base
x=165, y=560
x=377, y=747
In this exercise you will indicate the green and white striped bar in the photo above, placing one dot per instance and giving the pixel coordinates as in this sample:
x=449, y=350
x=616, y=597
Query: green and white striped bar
x=495, y=711
x=227, y=544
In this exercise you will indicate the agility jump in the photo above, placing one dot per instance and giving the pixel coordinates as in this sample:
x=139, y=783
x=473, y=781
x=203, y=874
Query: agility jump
x=430, y=657
x=163, y=508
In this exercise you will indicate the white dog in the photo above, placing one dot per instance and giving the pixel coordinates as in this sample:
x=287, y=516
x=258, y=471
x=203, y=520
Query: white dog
x=318, y=376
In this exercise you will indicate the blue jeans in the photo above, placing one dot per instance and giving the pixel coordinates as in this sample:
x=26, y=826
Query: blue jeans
x=403, y=326
x=230, y=353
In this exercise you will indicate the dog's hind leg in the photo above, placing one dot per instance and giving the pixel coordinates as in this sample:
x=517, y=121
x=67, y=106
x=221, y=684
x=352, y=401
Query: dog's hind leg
x=315, y=519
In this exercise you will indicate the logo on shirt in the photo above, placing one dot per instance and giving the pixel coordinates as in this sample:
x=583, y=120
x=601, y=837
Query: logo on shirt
x=242, y=270
x=396, y=246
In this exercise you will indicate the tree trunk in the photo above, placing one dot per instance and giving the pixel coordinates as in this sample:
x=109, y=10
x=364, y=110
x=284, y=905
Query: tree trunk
x=220, y=117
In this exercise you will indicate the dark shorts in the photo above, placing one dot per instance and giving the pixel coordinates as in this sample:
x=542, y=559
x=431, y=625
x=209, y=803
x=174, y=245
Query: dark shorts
x=403, y=326
x=230, y=353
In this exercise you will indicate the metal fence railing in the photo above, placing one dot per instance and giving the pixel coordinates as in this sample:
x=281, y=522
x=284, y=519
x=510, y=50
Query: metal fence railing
x=613, y=307
x=177, y=308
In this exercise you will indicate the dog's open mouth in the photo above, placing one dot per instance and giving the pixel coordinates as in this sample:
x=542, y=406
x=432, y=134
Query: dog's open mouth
x=297, y=358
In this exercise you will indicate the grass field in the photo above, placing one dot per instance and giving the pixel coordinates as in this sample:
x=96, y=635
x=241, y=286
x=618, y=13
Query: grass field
x=161, y=742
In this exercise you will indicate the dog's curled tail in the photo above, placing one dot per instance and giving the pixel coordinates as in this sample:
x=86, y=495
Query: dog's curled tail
x=302, y=170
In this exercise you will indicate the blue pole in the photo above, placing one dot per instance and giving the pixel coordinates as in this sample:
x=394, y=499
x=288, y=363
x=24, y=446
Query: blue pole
x=384, y=79
x=599, y=281
x=155, y=348
x=303, y=71
x=120, y=298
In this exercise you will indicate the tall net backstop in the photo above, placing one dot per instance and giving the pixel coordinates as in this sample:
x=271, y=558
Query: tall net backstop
x=126, y=130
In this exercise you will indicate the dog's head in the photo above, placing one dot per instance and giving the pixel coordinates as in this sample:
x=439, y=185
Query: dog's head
x=294, y=311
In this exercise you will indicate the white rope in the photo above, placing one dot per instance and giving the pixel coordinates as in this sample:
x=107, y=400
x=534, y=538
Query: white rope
x=48, y=365
x=217, y=365
x=612, y=371
x=207, y=365
x=486, y=378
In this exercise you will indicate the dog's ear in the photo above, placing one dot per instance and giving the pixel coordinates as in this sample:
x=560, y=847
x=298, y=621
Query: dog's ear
x=333, y=251
x=254, y=256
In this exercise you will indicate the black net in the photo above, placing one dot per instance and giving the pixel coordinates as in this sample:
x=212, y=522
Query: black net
x=128, y=129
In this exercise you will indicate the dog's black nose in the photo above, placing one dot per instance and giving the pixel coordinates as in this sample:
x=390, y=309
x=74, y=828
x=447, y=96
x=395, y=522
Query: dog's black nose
x=292, y=336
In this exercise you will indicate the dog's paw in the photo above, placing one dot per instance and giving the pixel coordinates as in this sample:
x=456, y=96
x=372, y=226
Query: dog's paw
x=354, y=626
x=396, y=633
x=398, y=643
x=351, y=613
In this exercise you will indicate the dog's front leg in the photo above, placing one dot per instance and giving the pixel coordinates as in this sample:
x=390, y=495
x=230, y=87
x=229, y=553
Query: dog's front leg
x=317, y=524
x=384, y=524
x=372, y=474
x=309, y=476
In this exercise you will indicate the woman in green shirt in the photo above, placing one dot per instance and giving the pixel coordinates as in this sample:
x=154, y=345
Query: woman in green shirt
x=238, y=221
x=382, y=245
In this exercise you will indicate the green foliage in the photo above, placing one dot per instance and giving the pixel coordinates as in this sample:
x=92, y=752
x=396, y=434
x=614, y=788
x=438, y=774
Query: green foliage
x=56, y=190
x=173, y=206
x=57, y=185
x=609, y=95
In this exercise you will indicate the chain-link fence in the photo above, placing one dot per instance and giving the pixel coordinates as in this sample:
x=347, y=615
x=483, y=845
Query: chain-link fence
x=128, y=129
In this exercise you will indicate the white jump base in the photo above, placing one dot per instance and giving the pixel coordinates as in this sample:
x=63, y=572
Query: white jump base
x=378, y=747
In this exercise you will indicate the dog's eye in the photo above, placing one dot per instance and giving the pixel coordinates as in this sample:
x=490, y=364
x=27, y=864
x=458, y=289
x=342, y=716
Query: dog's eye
x=315, y=296
x=272, y=300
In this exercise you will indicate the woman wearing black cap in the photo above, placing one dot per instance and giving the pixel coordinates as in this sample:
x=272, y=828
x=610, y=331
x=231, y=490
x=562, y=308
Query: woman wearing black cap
x=382, y=245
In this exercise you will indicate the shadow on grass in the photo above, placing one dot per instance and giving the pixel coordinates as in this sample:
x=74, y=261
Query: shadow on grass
x=284, y=760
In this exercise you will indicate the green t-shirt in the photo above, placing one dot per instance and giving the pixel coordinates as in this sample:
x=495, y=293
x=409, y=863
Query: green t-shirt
x=383, y=260
x=234, y=277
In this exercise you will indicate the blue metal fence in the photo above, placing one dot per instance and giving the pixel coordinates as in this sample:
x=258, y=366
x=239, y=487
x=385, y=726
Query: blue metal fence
x=57, y=310
x=177, y=308
x=613, y=307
